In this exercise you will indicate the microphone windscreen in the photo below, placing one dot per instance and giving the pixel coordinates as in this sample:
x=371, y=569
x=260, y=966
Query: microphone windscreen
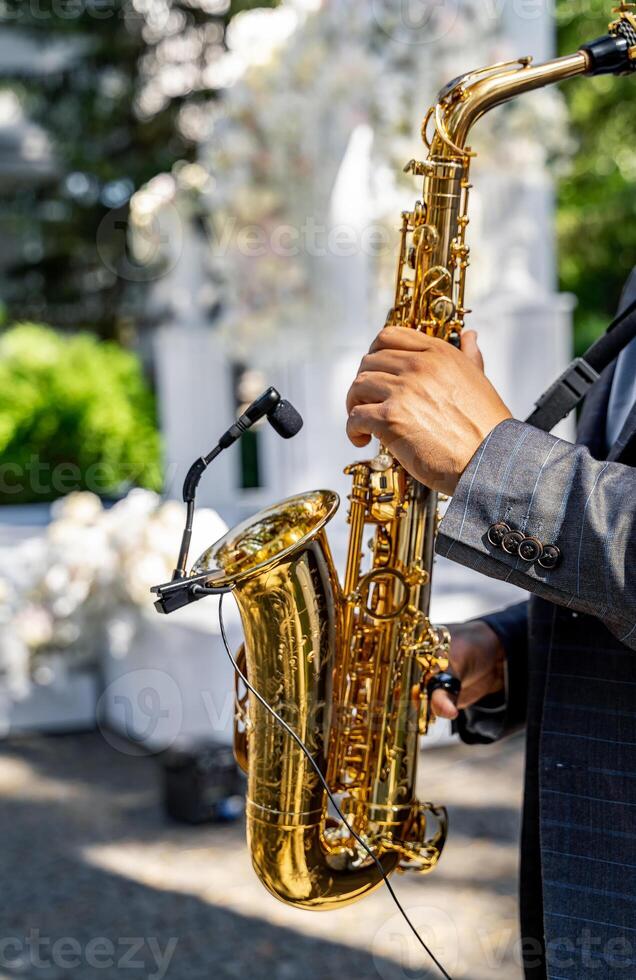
x=285, y=420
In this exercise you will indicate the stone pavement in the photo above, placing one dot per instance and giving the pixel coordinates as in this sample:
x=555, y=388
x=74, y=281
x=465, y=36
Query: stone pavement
x=97, y=883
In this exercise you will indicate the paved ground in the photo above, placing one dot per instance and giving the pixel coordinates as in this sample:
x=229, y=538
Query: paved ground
x=96, y=883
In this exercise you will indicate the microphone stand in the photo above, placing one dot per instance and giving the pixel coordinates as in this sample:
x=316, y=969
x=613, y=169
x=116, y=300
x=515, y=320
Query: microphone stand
x=182, y=590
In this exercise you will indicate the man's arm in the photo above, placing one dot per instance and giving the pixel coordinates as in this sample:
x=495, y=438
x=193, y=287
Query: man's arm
x=437, y=413
x=556, y=492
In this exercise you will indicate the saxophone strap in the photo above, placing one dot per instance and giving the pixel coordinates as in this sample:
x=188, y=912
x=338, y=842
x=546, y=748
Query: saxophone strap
x=570, y=389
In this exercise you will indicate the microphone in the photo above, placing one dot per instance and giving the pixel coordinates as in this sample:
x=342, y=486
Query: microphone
x=283, y=418
x=281, y=415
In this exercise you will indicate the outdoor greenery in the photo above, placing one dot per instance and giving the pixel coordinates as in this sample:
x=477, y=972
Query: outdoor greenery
x=597, y=199
x=123, y=95
x=122, y=91
x=128, y=98
x=75, y=413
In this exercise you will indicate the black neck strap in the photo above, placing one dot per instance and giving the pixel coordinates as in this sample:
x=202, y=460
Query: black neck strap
x=570, y=389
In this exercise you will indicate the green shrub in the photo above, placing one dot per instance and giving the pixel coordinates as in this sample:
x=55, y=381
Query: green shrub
x=75, y=414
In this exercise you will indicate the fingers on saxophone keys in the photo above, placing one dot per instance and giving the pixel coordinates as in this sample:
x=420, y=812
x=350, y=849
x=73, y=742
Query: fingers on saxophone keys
x=444, y=707
x=400, y=338
x=387, y=361
x=362, y=424
x=370, y=387
x=471, y=348
x=444, y=690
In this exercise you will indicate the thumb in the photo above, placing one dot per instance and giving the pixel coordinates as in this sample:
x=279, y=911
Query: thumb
x=443, y=705
x=471, y=349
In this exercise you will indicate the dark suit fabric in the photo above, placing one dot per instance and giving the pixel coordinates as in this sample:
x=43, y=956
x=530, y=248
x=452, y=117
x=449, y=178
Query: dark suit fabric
x=571, y=676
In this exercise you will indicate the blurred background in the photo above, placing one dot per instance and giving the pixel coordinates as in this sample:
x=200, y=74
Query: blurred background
x=200, y=198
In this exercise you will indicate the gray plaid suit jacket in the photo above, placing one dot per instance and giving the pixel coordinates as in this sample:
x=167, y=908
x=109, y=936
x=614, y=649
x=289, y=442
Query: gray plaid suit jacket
x=571, y=655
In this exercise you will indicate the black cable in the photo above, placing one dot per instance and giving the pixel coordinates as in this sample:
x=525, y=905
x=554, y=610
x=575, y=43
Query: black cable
x=301, y=745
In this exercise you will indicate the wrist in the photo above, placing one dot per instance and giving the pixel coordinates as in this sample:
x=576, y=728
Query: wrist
x=491, y=641
x=482, y=433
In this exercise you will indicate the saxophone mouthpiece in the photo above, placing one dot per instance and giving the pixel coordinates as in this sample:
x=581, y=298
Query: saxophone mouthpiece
x=624, y=29
x=615, y=53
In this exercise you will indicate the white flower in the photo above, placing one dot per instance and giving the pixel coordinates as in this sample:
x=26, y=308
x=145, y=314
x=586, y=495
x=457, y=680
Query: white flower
x=56, y=579
x=91, y=569
x=140, y=574
x=15, y=658
x=66, y=633
x=34, y=626
x=81, y=508
x=124, y=522
x=7, y=593
x=255, y=35
x=120, y=632
x=208, y=528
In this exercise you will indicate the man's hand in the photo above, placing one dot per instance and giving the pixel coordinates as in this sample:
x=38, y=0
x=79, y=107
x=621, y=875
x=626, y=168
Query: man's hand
x=477, y=657
x=429, y=404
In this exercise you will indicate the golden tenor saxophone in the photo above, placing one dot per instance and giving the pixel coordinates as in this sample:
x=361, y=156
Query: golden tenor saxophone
x=347, y=667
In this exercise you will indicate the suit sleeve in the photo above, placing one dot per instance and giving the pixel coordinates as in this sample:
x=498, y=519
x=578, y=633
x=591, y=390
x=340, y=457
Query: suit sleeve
x=501, y=714
x=558, y=493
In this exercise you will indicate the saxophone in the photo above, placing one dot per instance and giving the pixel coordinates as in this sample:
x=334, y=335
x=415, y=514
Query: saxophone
x=348, y=667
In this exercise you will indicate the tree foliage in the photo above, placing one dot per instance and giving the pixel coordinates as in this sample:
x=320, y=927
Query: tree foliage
x=597, y=199
x=126, y=101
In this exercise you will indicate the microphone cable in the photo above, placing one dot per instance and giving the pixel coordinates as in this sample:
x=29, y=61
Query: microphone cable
x=301, y=745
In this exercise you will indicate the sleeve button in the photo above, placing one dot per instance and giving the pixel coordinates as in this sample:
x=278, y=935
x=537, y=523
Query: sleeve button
x=511, y=541
x=497, y=532
x=530, y=549
x=551, y=556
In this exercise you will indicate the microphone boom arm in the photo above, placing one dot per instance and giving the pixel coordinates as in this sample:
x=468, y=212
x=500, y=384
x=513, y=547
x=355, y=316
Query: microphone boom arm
x=283, y=418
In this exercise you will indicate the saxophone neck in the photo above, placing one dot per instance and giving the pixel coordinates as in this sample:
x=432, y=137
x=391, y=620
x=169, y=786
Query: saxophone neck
x=475, y=94
x=466, y=99
x=434, y=255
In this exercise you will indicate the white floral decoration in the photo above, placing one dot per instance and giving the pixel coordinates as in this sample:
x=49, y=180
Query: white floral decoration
x=307, y=73
x=66, y=594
